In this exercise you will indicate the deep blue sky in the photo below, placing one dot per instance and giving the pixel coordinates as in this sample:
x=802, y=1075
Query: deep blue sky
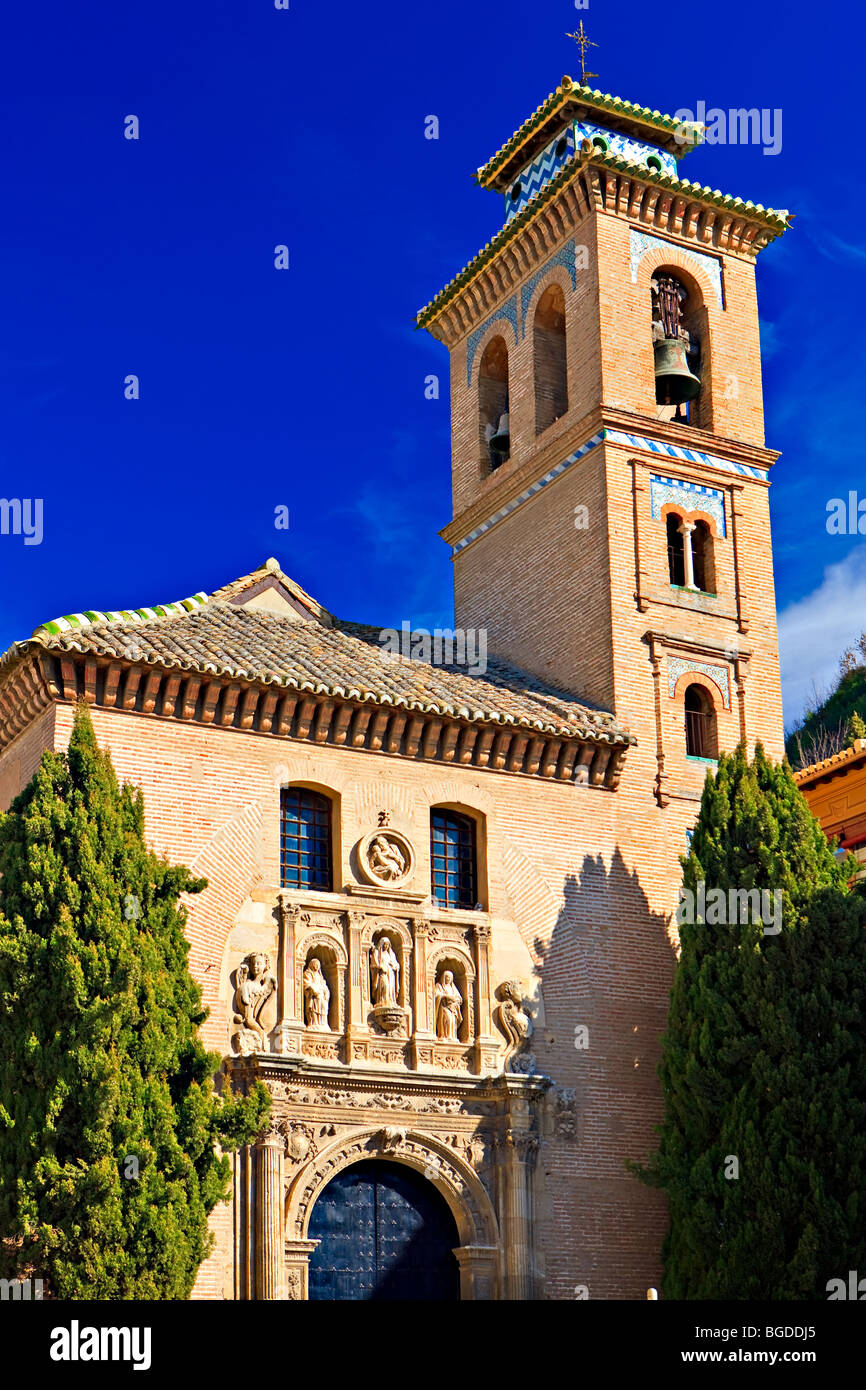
x=305, y=387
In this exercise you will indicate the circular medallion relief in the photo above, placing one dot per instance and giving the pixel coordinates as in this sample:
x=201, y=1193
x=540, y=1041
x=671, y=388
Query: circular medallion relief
x=386, y=858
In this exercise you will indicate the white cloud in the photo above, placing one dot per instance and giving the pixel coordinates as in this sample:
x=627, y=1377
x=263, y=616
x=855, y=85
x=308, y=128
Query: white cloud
x=814, y=632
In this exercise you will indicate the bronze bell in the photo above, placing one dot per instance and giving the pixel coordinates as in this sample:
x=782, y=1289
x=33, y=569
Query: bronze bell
x=674, y=382
x=500, y=442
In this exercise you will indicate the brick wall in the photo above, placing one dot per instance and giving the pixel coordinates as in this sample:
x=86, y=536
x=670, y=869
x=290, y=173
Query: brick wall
x=20, y=760
x=576, y=905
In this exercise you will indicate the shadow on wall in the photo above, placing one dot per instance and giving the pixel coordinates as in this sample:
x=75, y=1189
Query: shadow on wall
x=606, y=973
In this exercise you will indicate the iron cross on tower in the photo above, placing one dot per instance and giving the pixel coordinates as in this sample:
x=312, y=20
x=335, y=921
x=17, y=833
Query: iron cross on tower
x=583, y=44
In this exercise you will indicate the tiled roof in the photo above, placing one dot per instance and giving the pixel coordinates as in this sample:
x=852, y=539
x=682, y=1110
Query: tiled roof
x=776, y=220
x=836, y=763
x=332, y=658
x=570, y=93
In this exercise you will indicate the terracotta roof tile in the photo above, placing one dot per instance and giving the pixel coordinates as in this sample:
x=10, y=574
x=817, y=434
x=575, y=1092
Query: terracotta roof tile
x=346, y=659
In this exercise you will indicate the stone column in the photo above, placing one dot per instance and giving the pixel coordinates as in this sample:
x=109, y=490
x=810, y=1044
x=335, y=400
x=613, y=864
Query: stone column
x=483, y=1017
x=484, y=1026
x=356, y=1024
x=419, y=992
x=270, y=1254
x=685, y=529
x=520, y=1150
x=421, y=1031
x=286, y=1002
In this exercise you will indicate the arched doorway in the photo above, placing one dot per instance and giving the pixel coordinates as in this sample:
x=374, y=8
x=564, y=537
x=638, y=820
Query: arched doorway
x=384, y=1233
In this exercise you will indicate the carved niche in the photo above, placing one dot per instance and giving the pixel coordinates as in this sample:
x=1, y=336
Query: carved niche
x=320, y=989
x=387, y=960
x=451, y=958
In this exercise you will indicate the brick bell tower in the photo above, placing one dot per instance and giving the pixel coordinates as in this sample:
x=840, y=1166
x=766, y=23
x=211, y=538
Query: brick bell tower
x=610, y=478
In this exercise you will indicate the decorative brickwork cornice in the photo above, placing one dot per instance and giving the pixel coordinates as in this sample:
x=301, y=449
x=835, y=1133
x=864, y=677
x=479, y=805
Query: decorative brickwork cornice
x=24, y=694
x=317, y=714
x=594, y=182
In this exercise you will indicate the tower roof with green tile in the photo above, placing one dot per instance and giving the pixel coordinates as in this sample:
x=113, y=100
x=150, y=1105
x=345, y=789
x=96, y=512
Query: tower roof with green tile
x=570, y=102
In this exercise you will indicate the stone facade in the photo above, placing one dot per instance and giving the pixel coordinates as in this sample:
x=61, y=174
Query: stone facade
x=525, y=1119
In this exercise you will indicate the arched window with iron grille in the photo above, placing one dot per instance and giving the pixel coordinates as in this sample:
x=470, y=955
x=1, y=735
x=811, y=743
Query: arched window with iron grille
x=700, y=716
x=454, y=873
x=306, y=855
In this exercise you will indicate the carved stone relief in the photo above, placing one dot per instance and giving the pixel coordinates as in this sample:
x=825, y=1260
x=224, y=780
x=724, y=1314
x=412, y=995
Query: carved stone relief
x=449, y=1007
x=386, y=858
x=316, y=997
x=300, y=1142
x=253, y=988
x=514, y=1021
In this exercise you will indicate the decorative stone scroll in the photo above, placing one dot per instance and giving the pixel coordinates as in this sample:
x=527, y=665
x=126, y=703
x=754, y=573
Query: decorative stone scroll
x=515, y=1023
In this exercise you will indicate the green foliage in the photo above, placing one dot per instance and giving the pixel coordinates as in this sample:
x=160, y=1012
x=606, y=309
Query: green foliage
x=764, y=1058
x=102, y=1074
x=824, y=729
x=856, y=728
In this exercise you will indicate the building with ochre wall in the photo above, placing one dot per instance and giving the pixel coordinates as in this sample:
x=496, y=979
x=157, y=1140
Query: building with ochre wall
x=438, y=922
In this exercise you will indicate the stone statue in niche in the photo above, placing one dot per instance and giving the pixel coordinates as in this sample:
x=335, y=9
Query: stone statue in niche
x=254, y=986
x=385, y=973
x=514, y=1021
x=317, y=997
x=386, y=859
x=449, y=1007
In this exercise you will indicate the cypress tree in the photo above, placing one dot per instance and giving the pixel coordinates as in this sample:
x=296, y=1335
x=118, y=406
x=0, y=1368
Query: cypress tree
x=110, y=1127
x=762, y=1149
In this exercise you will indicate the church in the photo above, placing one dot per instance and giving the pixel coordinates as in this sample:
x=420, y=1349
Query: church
x=439, y=921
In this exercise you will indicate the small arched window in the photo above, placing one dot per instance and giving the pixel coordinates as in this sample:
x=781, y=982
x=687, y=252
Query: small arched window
x=676, y=550
x=305, y=839
x=700, y=723
x=453, y=869
x=493, y=402
x=702, y=558
x=551, y=378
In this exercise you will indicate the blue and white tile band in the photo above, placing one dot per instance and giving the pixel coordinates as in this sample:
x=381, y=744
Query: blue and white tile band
x=543, y=168
x=631, y=441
